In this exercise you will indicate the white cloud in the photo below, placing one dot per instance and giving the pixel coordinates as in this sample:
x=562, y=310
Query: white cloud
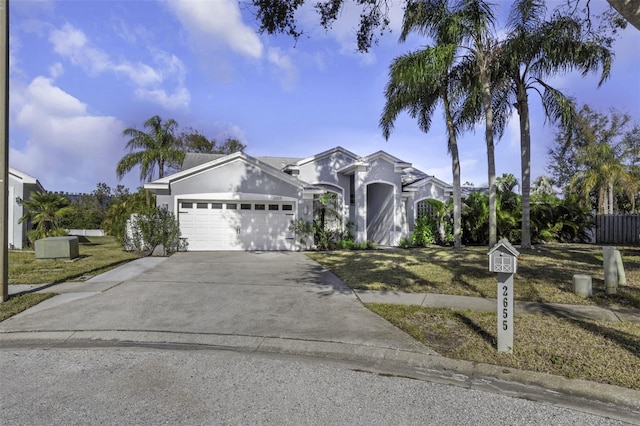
x=63, y=145
x=217, y=22
x=285, y=66
x=56, y=70
x=180, y=98
x=72, y=43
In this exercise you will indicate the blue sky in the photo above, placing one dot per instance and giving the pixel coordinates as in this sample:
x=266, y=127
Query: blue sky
x=82, y=71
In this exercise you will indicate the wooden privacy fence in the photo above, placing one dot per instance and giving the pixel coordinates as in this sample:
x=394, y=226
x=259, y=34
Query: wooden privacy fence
x=621, y=229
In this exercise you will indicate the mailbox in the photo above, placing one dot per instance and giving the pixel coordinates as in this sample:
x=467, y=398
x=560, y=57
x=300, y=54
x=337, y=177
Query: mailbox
x=503, y=257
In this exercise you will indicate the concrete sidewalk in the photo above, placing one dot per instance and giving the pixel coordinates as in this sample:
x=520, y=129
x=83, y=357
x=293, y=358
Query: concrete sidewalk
x=579, y=312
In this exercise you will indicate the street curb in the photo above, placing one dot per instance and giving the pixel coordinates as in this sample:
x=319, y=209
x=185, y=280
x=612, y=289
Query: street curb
x=582, y=395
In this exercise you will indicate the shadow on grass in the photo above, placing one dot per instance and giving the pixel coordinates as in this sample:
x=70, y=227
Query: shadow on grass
x=481, y=332
x=626, y=341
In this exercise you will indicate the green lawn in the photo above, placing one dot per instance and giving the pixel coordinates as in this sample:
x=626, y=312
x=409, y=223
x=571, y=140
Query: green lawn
x=544, y=274
x=97, y=255
x=591, y=350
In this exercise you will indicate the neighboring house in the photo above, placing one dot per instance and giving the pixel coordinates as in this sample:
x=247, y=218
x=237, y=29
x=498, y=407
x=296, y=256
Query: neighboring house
x=20, y=188
x=240, y=202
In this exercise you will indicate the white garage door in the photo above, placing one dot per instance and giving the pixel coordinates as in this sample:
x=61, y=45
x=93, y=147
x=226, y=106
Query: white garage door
x=236, y=225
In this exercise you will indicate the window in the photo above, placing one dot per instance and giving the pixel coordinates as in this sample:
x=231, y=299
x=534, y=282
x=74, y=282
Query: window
x=186, y=205
x=232, y=206
x=259, y=207
x=244, y=206
x=216, y=205
x=273, y=207
x=202, y=206
x=423, y=208
x=287, y=207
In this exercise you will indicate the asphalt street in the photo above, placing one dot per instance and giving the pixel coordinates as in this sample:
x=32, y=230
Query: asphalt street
x=120, y=386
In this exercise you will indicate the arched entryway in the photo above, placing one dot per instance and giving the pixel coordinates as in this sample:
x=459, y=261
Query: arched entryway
x=380, y=213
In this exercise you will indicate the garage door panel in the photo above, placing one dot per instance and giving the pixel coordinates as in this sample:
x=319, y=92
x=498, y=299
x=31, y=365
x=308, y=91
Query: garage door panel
x=236, y=229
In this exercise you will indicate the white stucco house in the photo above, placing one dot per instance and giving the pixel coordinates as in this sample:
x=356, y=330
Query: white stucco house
x=21, y=186
x=240, y=202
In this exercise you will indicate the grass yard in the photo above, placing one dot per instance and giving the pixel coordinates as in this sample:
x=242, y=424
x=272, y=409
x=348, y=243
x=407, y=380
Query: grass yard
x=16, y=304
x=544, y=274
x=591, y=350
x=97, y=255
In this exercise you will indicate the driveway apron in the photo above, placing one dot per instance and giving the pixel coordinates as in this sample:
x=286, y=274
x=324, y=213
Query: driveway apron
x=261, y=294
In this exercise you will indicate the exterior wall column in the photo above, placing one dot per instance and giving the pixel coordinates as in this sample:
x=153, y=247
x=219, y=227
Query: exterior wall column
x=360, y=204
x=404, y=221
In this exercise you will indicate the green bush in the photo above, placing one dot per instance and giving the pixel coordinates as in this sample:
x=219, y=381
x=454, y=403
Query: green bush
x=149, y=231
x=424, y=231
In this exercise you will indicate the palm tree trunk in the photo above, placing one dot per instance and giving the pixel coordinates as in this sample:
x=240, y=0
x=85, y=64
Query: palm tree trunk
x=525, y=166
x=602, y=200
x=455, y=168
x=610, y=193
x=491, y=162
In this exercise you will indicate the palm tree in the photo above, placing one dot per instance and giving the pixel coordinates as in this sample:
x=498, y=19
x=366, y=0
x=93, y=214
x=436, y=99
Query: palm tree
x=534, y=50
x=45, y=209
x=467, y=25
x=158, y=148
x=418, y=81
x=604, y=170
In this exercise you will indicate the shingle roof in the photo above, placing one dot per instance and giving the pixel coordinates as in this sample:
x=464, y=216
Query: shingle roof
x=193, y=159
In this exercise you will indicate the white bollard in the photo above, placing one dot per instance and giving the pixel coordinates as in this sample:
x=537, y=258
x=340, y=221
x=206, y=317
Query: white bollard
x=610, y=269
x=582, y=285
x=622, y=277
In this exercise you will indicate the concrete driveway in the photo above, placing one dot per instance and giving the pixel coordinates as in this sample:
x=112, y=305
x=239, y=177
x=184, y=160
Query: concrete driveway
x=275, y=295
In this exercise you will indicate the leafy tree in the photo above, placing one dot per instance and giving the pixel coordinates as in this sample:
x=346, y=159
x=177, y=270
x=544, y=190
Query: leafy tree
x=279, y=16
x=192, y=140
x=155, y=149
x=89, y=209
x=45, y=210
x=229, y=146
x=122, y=206
x=597, y=158
x=535, y=50
x=543, y=185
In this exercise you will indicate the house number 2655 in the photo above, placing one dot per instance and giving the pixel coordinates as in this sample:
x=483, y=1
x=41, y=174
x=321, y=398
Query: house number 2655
x=505, y=306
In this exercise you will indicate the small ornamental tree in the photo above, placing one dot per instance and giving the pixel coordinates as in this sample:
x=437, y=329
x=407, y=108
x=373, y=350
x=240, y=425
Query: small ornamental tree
x=157, y=228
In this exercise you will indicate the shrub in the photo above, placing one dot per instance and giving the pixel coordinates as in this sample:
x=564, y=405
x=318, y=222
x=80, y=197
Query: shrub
x=148, y=231
x=424, y=231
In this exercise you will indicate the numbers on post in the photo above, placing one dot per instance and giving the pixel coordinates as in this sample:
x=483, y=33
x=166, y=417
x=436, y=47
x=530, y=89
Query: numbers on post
x=505, y=306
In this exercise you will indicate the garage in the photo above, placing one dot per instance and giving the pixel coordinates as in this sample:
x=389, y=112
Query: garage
x=236, y=224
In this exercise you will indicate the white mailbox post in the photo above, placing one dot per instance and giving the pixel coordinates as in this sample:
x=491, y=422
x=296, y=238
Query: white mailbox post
x=503, y=259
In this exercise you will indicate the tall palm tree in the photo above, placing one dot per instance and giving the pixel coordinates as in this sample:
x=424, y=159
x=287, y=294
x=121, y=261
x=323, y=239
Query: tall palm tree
x=158, y=148
x=45, y=209
x=418, y=82
x=468, y=25
x=537, y=49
